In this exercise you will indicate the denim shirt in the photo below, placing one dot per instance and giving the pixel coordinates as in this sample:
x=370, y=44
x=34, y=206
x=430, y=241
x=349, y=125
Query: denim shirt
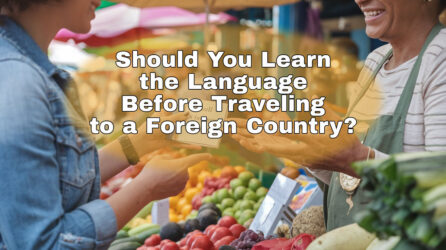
x=49, y=169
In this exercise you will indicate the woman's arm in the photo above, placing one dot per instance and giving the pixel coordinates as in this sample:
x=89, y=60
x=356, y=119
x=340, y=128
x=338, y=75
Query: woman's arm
x=112, y=159
x=161, y=178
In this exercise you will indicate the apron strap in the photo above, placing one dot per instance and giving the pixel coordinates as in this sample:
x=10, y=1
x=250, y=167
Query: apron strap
x=406, y=97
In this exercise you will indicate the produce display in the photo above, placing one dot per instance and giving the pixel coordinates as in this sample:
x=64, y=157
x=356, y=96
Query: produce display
x=242, y=199
x=408, y=199
x=208, y=237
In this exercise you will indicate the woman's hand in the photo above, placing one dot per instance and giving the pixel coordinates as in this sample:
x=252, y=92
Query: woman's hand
x=146, y=143
x=313, y=151
x=161, y=178
x=169, y=176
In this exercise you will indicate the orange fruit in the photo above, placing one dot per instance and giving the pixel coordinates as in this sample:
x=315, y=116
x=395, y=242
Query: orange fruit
x=229, y=172
x=240, y=169
x=185, y=211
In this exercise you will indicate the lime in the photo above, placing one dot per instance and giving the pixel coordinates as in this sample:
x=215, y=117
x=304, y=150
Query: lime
x=254, y=184
x=261, y=192
x=235, y=183
x=245, y=177
x=250, y=195
x=227, y=203
x=222, y=194
x=207, y=199
x=239, y=192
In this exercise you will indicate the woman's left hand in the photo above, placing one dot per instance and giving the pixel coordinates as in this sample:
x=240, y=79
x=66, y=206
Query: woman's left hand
x=312, y=151
x=146, y=143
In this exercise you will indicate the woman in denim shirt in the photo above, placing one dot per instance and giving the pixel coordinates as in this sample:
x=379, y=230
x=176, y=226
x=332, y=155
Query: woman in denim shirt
x=50, y=172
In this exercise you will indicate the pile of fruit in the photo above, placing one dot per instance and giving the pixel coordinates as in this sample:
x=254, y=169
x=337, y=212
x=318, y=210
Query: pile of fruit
x=181, y=205
x=242, y=199
x=206, y=232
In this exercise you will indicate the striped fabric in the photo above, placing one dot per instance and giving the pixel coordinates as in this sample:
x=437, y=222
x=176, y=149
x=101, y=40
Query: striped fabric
x=426, y=120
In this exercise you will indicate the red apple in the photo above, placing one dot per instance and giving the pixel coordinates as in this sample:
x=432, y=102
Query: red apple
x=227, y=221
x=202, y=242
x=219, y=233
x=224, y=241
x=236, y=230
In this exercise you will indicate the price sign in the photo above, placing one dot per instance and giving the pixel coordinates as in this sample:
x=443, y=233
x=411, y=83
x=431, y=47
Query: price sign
x=160, y=212
x=274, y=207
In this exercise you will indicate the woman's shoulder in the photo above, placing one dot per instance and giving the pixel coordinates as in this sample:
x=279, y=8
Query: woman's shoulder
x=376, y=56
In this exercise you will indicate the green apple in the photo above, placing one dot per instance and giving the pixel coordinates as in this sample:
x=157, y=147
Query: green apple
x=222, y=194
x=229, y=211
x=254, y=184
x=214, y=198
x=207, y=199
x=250, y=195
x=245, y=177
x=246, y=215
x=235, y=183
x=246, y=204
x=227, y=203
x=237, y=214
x=237, y=205
x=239, y=192
x=256, y=206
x=261, y=192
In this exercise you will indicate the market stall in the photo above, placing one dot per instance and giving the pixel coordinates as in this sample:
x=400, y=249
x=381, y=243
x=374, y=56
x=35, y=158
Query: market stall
x=241, y=199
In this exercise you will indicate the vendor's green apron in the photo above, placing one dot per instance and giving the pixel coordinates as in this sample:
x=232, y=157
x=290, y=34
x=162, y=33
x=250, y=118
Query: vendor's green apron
x=386, y=135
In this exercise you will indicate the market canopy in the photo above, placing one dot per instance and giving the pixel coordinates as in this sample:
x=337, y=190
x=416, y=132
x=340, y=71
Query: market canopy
x=200, y=4
x=122, y=23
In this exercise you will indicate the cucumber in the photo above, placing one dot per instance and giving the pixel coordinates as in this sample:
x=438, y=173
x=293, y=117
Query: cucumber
x=139, y=229
x=133, y=245
x=141, y=237
x=123, y=240
x=122, y=234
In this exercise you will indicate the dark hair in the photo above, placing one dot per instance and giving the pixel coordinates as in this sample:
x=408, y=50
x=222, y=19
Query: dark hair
x=443, y=5
x=21, y=4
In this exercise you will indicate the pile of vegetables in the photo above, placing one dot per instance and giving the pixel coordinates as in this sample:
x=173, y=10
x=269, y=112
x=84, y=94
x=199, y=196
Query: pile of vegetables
x=408, y=199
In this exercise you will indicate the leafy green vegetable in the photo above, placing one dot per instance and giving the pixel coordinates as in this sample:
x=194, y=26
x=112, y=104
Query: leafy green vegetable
x=408, y=193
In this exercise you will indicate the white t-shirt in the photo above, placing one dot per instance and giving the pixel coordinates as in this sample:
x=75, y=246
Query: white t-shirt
x=425, y=128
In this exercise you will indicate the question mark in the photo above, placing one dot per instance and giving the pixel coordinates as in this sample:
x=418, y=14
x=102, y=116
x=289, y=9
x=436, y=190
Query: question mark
x=351, y=124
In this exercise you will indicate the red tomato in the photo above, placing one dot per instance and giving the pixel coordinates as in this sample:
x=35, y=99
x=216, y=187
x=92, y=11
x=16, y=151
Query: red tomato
x=153, y=248
x=236, y=230
x=219, y=233
x=163, y=242
x=302, y=241
x=209, y=229
x=224, y=241
x=170, y=246
x=202, y=242
x=153, y=240
x=182, y=242
x=226, y=221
